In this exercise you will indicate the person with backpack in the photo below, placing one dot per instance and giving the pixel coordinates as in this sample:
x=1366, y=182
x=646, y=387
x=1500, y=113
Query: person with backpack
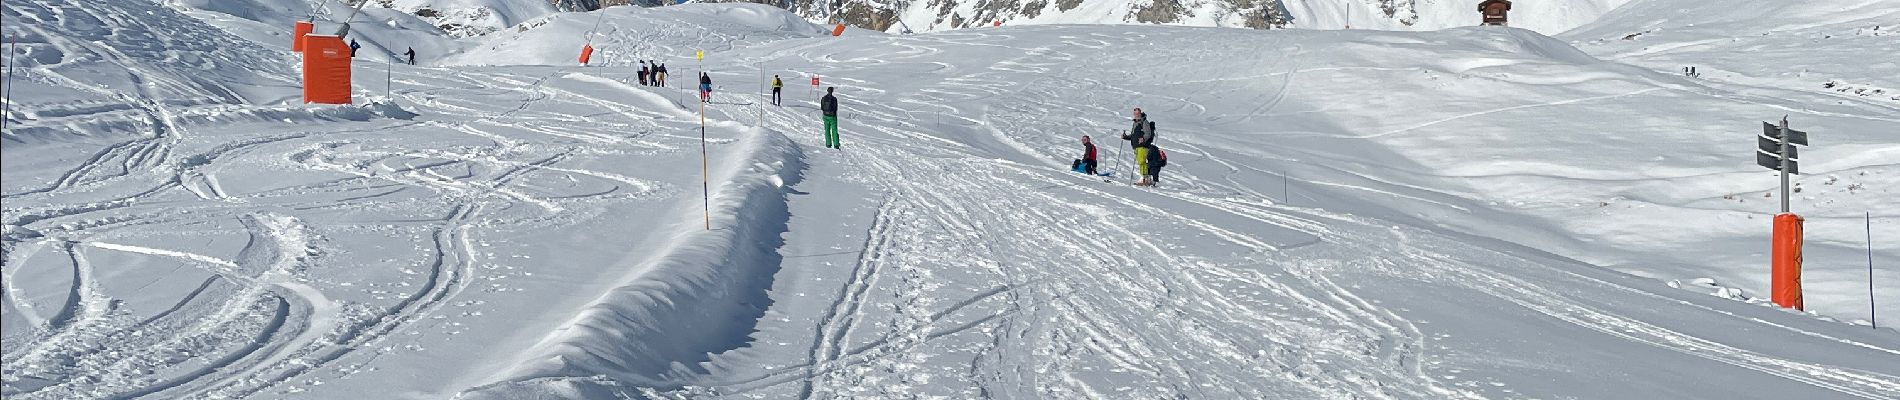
x=1156, y=160
x=1086, y=164
x=777, y=87
x=412, y=55
x=662, y=69
x=1141, y=137
x=829, y=105
x=705, y=87
x=354, y=47
x=643, y=73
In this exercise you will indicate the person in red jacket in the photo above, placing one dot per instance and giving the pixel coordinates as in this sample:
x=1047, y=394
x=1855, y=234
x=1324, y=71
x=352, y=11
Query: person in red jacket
x=1087, y=163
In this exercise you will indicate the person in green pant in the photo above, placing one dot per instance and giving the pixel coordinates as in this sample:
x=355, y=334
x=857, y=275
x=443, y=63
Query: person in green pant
x=1142, y=138
x=830, y=106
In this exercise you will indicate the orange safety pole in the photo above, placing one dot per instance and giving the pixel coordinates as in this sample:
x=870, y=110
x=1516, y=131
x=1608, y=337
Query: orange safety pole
x=1785, y=278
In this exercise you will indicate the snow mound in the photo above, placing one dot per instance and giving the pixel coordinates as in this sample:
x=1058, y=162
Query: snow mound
x=671, y=311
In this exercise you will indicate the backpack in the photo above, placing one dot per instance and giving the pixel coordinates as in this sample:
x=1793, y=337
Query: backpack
x=1160, y=158
x=1151, y=132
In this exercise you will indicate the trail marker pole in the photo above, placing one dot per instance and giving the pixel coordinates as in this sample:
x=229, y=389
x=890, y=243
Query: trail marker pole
x=1286, y=189
x=1774, y=149
x=705, y=169
x=389, y=77
x=1871, y=314
x=12, y=57
x=758, y=118
x=1785, y=163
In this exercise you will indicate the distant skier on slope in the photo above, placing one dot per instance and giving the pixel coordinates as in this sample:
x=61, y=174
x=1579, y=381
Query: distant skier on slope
x=1141, y=136
x=354, y=47
x=777, y=87
x=643, y=73
x=412, y=55
x=829, y=105
x=1087, y=163
x=705, y=87
x=661, y=82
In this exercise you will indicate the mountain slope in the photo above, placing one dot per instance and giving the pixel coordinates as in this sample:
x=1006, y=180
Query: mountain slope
x=936, y=15
x=1346, y=214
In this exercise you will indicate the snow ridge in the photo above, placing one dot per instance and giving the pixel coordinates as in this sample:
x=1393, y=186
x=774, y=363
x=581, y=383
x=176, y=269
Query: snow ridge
x=689, y=292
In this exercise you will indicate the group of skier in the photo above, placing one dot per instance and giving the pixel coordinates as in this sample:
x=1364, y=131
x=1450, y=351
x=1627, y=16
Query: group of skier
x=1148, y=158
x=652, y=74
x=411, y=54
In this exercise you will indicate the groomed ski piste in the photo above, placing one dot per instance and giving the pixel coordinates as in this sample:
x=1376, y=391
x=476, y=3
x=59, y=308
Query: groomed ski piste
x=1472, y=213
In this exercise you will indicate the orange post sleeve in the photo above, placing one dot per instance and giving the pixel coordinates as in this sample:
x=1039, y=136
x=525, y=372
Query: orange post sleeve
x=326, y=70
x=587, y=53
x=1785, y=283
x=837, y=30
x=296, y=39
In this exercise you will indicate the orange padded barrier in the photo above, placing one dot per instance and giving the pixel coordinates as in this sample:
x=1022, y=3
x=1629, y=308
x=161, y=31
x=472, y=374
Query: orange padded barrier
x=326, y=70
x=837, y=30
x=587, y=53
x=303, y=28
x=1785, y=284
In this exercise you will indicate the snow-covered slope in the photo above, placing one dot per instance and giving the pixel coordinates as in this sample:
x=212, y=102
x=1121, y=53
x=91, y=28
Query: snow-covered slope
x=472, y=17
x=898, y=15
x=623, y=36
x=1800, y=45
x=1346, y=214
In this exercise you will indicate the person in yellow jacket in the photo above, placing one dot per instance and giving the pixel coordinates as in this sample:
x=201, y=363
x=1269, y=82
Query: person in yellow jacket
x=777, y=86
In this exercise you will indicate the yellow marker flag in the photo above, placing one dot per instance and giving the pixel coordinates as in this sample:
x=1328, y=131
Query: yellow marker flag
x=700, y=54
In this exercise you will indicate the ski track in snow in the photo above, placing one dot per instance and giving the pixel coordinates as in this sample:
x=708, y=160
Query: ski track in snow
x=1398, y=345
x=270, y=323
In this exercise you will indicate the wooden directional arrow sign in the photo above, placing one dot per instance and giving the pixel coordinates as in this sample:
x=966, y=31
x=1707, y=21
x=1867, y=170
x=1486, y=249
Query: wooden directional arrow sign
x=1771, y=161
x=1794, y=136
x=1771, y=146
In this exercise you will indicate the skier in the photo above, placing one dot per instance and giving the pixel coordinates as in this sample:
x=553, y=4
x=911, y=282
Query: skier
x=412, y=55
x=829, y=104
x=777, y=86
x=662, y=69
x=1141, y=136
x=1087, y=163
x=1156, y=160
x=643, y=73
x=353, y=47
x=705, y=87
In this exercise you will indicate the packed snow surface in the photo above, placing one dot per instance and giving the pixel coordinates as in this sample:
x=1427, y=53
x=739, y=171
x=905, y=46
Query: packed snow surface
x=1467, y=213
